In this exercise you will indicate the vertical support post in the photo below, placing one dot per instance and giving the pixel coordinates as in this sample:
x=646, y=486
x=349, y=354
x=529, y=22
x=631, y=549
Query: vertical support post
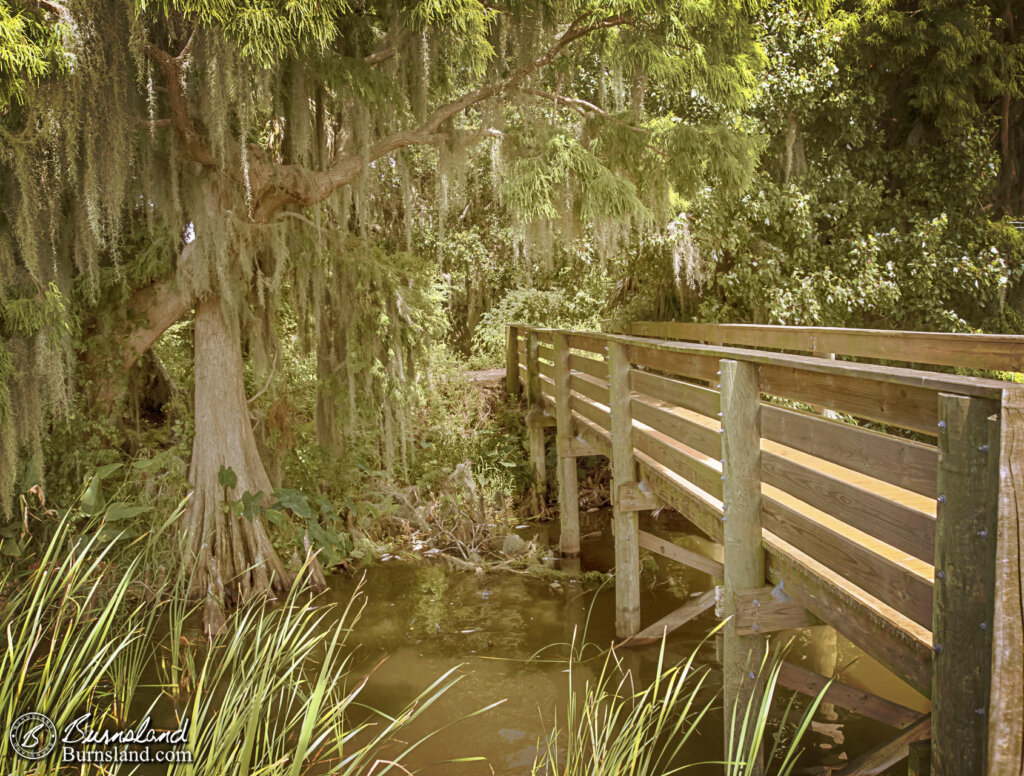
x=512, y=386
x=919, y=758
x=568, y=493
x=744, y=554
x=1006, y=723
x=965, y=534
x=627, y=531
x=535, y=423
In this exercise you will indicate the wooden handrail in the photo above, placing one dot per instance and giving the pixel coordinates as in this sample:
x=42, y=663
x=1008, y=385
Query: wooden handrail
x=998, y=352
x=916, y=378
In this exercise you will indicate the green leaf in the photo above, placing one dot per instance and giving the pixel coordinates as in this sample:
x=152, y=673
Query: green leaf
x=120, y=510
x=227, y=478
x=294, y=500
x=10, y=548
x=92, y=499
x=105, y=471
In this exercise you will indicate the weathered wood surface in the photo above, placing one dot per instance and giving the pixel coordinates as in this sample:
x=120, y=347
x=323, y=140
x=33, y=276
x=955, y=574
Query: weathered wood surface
x=672, y=551
x=590, y=366
x=633, y=498
x=801, y=680
x=965, y=543
x=895, y=524
x=1000, y=352
x=919, y=758
x=677, y=392
x=759, y=613
x=886, y=755
x=590, y=387
x=744, y=553
x=512, y=362
x=906, y=592
x=1006, y=705
x=568, y=487
x=672, y=422
x=627, y=547
x=672, y=621
x=900, y=462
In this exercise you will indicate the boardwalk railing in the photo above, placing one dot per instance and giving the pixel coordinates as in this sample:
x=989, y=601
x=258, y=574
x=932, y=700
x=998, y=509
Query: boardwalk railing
x=899, y=525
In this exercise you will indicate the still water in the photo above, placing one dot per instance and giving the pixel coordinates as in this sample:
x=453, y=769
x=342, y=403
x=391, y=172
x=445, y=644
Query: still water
x=422, y=619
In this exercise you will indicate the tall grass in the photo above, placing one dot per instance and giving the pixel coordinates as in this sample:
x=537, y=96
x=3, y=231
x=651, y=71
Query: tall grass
x=612, y=728
x=272, y=693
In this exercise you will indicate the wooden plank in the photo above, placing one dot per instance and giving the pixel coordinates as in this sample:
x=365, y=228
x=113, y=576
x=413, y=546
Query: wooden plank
x=801, y=680
x=568, y=486
x=543, y=335
x=965, y=535
x=694, y=560
x=758, y=612
x=512, y=386
x=677, y=361
x=632, y=498
x=900, y=462
x=893, y=584
x=546, y=369
x=702, y=510
x=1001, y=352
x=894, y=641
x=896, y=404
x=886, y=755
x=666, y=451
x=591, y=411
x=547, y=353
x=692, y=434
x=744, y=555
x=680, y=358
x=895, y=524
x=535, y=425
x=590, y=366
x=677, y=392
x=672, y=621
x=589, y=387
x=592, y=343
x=1006, y=709
x=627, y=547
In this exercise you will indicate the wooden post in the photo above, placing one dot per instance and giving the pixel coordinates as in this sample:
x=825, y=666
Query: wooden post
x=744, y=553
x=535, y=423
x=512, y=386
x=627, y=540
x=919, y=758
x=568, y=494
x=965, y=541
x=1006, y=709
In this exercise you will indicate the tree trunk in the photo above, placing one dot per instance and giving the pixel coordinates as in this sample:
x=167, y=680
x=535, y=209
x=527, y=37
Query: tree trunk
x=232, y=558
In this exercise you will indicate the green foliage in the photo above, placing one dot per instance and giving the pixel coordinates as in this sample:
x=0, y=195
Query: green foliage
x=570, y=302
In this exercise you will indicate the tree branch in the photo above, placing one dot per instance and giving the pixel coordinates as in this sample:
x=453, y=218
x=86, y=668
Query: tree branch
x=293, y=184
x=189, y=138
x=583, y=108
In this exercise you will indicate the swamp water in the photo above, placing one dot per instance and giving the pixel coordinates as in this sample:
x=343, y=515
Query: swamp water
x=504, y=630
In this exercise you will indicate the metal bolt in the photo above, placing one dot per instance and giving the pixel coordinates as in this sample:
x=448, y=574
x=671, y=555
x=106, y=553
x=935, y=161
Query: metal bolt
x=982, y=533
x=980, y=712
x=983, y=448
x=942, y=498
x=719, y=414
x=718, y=372
x=940, y=574
x=757, y=602
x=942, y=425
x=722, y=461
x=984, y=626
x=937, y=649
x=755, y=626
x=752, y=675
x=722, y=477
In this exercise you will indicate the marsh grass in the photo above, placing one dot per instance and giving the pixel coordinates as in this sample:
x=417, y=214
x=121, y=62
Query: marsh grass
x=272, y=693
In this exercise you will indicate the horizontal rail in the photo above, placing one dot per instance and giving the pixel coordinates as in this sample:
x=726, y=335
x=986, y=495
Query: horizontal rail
x=999, y=352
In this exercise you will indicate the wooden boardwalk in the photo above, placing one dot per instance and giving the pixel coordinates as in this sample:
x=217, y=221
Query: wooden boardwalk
x=881, y=500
